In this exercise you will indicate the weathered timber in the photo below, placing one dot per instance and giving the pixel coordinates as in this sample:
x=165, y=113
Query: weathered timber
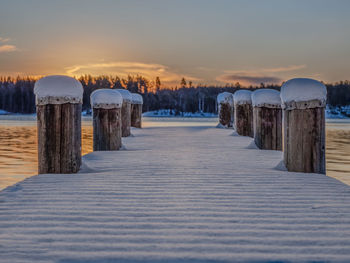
x=107, y=129
x=59, y=138
x=267, y=123
x=304, y=102
x=225, y=114
x=304, y=140
x=126, y=118
x=225, y=108
x=244, y=119
x=136, y=115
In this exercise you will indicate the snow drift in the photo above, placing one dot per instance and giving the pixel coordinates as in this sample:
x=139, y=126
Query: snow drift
x=106, y=99
x=57, y=89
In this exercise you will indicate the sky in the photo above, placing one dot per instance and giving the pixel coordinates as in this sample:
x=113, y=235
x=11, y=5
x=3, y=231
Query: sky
x=207, y=42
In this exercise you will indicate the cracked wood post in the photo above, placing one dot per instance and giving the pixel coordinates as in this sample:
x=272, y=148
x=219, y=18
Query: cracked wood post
x=303, y=103
x=136, y=110
x=267, y=119
x=225, y=109
x=126, y=112
x=106, y=107
x=58, y=106
x=243, y=113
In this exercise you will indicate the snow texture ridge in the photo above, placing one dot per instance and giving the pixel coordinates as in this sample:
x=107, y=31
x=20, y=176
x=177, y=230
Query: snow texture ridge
x=269, y=98
x=225, y=97
x=106, y=99
x=242, y=97
x=136, y=98
x=57, y=89
x=126, y=95
x=177, y=194
x=303, y=93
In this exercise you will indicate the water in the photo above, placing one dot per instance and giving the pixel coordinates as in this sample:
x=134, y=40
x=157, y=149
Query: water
x=18, y=145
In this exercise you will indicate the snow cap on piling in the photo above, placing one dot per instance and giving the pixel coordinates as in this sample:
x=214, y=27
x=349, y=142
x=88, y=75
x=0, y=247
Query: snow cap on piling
x=126, y=95
x=268, y=98
x=136, y=98
x=303, y=93
x=242, y=97
x=57, y=89
x=225, y=97
x=106, y=99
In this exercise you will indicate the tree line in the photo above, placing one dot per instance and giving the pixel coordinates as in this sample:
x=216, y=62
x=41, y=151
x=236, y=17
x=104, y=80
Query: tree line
x=16, y=94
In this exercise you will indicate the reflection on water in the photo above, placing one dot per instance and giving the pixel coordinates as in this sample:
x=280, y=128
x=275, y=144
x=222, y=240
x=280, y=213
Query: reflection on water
x=18, y=150
x=338, y=150
x=18, y=145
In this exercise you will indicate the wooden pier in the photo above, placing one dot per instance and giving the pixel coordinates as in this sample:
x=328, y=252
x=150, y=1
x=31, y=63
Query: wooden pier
x=177, y=194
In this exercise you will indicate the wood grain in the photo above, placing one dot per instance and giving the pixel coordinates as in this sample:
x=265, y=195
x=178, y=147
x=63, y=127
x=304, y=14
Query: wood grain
x=267, y=123
x=59, y=138
x=107, y=129
x=244, y=119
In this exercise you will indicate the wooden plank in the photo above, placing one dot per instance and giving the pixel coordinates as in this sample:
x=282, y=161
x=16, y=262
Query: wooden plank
x=267, y=128
x=126, y=119
x=59, y=138
x=244, y=119
x=225, y=114
x=106, y=129
x=136, y=115
x=304, y=140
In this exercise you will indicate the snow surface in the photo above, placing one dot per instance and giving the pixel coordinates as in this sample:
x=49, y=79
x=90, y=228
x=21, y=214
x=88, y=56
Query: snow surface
x=225, y=97
x=3, y=112
x=302, y=90
x=136, y=98
x=242, y=97
x=62, y=88
x=126, y=95
x=266, y=98
x=172, y=113
x=106, y=98
x=177, y=194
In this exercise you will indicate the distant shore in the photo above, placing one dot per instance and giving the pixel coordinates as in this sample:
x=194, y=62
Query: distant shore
x=331, y=113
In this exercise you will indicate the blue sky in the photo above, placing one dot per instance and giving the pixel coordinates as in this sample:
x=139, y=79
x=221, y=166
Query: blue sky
x=214, y=41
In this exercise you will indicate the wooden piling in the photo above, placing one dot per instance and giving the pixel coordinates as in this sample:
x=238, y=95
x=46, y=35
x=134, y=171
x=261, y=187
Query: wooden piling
x=106, y=105
x=58, y=104
x=136, y=110
x=303, y=103
x=126, y=112
x=225, y=109
x=267, y=119
x=243, y=113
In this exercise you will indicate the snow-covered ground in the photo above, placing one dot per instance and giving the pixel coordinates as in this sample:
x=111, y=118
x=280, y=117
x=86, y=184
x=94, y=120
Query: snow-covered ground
x=177, y=194
x=342, y=112
x=331, y=113
x=3, y=112
x=173, y=113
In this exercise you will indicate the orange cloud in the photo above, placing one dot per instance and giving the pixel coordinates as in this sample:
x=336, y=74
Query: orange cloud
x=7, y=48
x=3, y=40
x=125, y=68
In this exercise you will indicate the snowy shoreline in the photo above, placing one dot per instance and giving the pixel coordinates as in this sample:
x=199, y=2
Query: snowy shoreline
x=341, y=113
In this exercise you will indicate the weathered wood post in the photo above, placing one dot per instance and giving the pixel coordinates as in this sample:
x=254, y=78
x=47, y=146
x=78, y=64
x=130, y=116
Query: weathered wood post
x=106, y=106
x=136, y=110
x=303, y=103
x=126, y=112
x=267, y=119
x=58, y=107
x=243, y=113
x=225, y=108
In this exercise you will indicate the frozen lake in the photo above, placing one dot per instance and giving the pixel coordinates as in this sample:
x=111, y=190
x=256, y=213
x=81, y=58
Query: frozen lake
x=18, y=149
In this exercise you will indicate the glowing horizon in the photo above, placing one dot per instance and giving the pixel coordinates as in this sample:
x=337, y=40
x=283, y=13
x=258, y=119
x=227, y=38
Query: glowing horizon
x=204, y=41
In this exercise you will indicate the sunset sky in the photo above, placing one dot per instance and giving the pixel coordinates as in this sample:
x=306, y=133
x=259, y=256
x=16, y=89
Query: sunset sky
x=208, y=42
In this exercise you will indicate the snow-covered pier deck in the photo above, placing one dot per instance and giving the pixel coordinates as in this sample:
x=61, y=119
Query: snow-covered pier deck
x=177, y=194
